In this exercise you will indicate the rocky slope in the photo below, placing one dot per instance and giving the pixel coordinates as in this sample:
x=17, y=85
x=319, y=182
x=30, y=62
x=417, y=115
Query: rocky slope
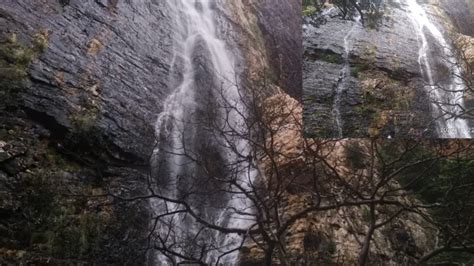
x=85, y=81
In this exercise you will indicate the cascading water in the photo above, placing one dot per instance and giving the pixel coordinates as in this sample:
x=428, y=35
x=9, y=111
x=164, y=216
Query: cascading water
x=344, y=78
x=447, y=101
x=203, y=80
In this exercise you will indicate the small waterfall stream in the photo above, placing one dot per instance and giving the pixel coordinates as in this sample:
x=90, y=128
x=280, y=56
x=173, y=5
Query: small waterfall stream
x=447, y=101
x=344, y=77
x=203, y=79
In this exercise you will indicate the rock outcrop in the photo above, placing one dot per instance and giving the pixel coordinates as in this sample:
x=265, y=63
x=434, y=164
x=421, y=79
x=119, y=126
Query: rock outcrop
x=384, y=92
x=458, y=23
x=270, y=41
x=105, y=61
x=83, y=118
x=334, y=236
x=460, y=14
x=278, y=20
x=83, y=83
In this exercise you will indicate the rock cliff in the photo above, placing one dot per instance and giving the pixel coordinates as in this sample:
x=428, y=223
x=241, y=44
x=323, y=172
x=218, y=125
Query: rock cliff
x=83, y=83
x=457, y=18
x=329, y=237
x=384, y=92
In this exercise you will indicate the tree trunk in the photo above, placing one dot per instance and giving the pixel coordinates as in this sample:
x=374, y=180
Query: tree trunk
x=269, y=254
x=364, y=253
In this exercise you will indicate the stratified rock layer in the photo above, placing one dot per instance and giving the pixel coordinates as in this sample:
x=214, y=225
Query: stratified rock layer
x=383, y=94
x=110, y=56
x=93, y=89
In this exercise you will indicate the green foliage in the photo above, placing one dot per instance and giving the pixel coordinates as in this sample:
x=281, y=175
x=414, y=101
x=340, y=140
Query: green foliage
x=370, y=11
x=310, y=7
x=332, y=58
x=355, y=156
x=15, y=59
x=79, y=239
x=325, y=55
x=450, y=184
x=84, y=131
x=58, y=225
x=310, y=10
x=398, y=74
x=40, y=42
x=314, y=3
x=447, y=183
x=373, y=12
x=365, y=214
x=358, y=68
x=453, y=175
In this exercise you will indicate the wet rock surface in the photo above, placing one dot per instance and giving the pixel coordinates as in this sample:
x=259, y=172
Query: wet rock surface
x=111, y=55
x=461, y=13
x=92, y=91
x=384, y=88
x=268, y=37
x=457, y=18
x=280, y=23
x=53, y=202
x=81, y=124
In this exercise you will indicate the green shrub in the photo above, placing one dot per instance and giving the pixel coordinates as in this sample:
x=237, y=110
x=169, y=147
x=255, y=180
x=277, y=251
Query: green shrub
x=358, y=68
x=309, y=10
x=15, y=58
x=14, y=61
x=325, y=55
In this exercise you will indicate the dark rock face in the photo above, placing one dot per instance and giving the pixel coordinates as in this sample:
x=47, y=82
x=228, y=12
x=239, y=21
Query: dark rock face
x=386, y=46
x=111, y=55
x=280, y=23
x=388, y=54
x=84, y=122
x=114, y=56
x=39, y=224
x=92, y=96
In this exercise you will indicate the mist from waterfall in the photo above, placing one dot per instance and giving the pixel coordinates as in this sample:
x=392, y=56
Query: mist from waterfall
x=204, y=76
x=447, y=101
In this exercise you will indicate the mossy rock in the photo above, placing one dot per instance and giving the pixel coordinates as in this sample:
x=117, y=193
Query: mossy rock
x=358, y=68
x=15, y=58
x=309, y=10
x=324, y=55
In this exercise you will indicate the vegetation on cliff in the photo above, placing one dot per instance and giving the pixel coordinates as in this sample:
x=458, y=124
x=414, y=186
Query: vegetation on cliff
x=370, y=11
x=50, y=177
x=70, y=194
x=364, y=202
x=15, y=58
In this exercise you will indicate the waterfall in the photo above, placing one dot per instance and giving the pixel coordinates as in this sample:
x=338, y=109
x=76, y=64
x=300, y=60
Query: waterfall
x=344, y=78
x=446, y=101
x=204, y=79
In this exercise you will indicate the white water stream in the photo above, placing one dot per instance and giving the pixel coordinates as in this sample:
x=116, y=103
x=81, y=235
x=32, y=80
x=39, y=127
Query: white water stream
x=447, y=101
x=344, y=77
x=197, y=46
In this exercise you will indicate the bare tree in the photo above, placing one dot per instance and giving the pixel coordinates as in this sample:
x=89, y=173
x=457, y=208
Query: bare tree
x=234, y=188
x=386, y=173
